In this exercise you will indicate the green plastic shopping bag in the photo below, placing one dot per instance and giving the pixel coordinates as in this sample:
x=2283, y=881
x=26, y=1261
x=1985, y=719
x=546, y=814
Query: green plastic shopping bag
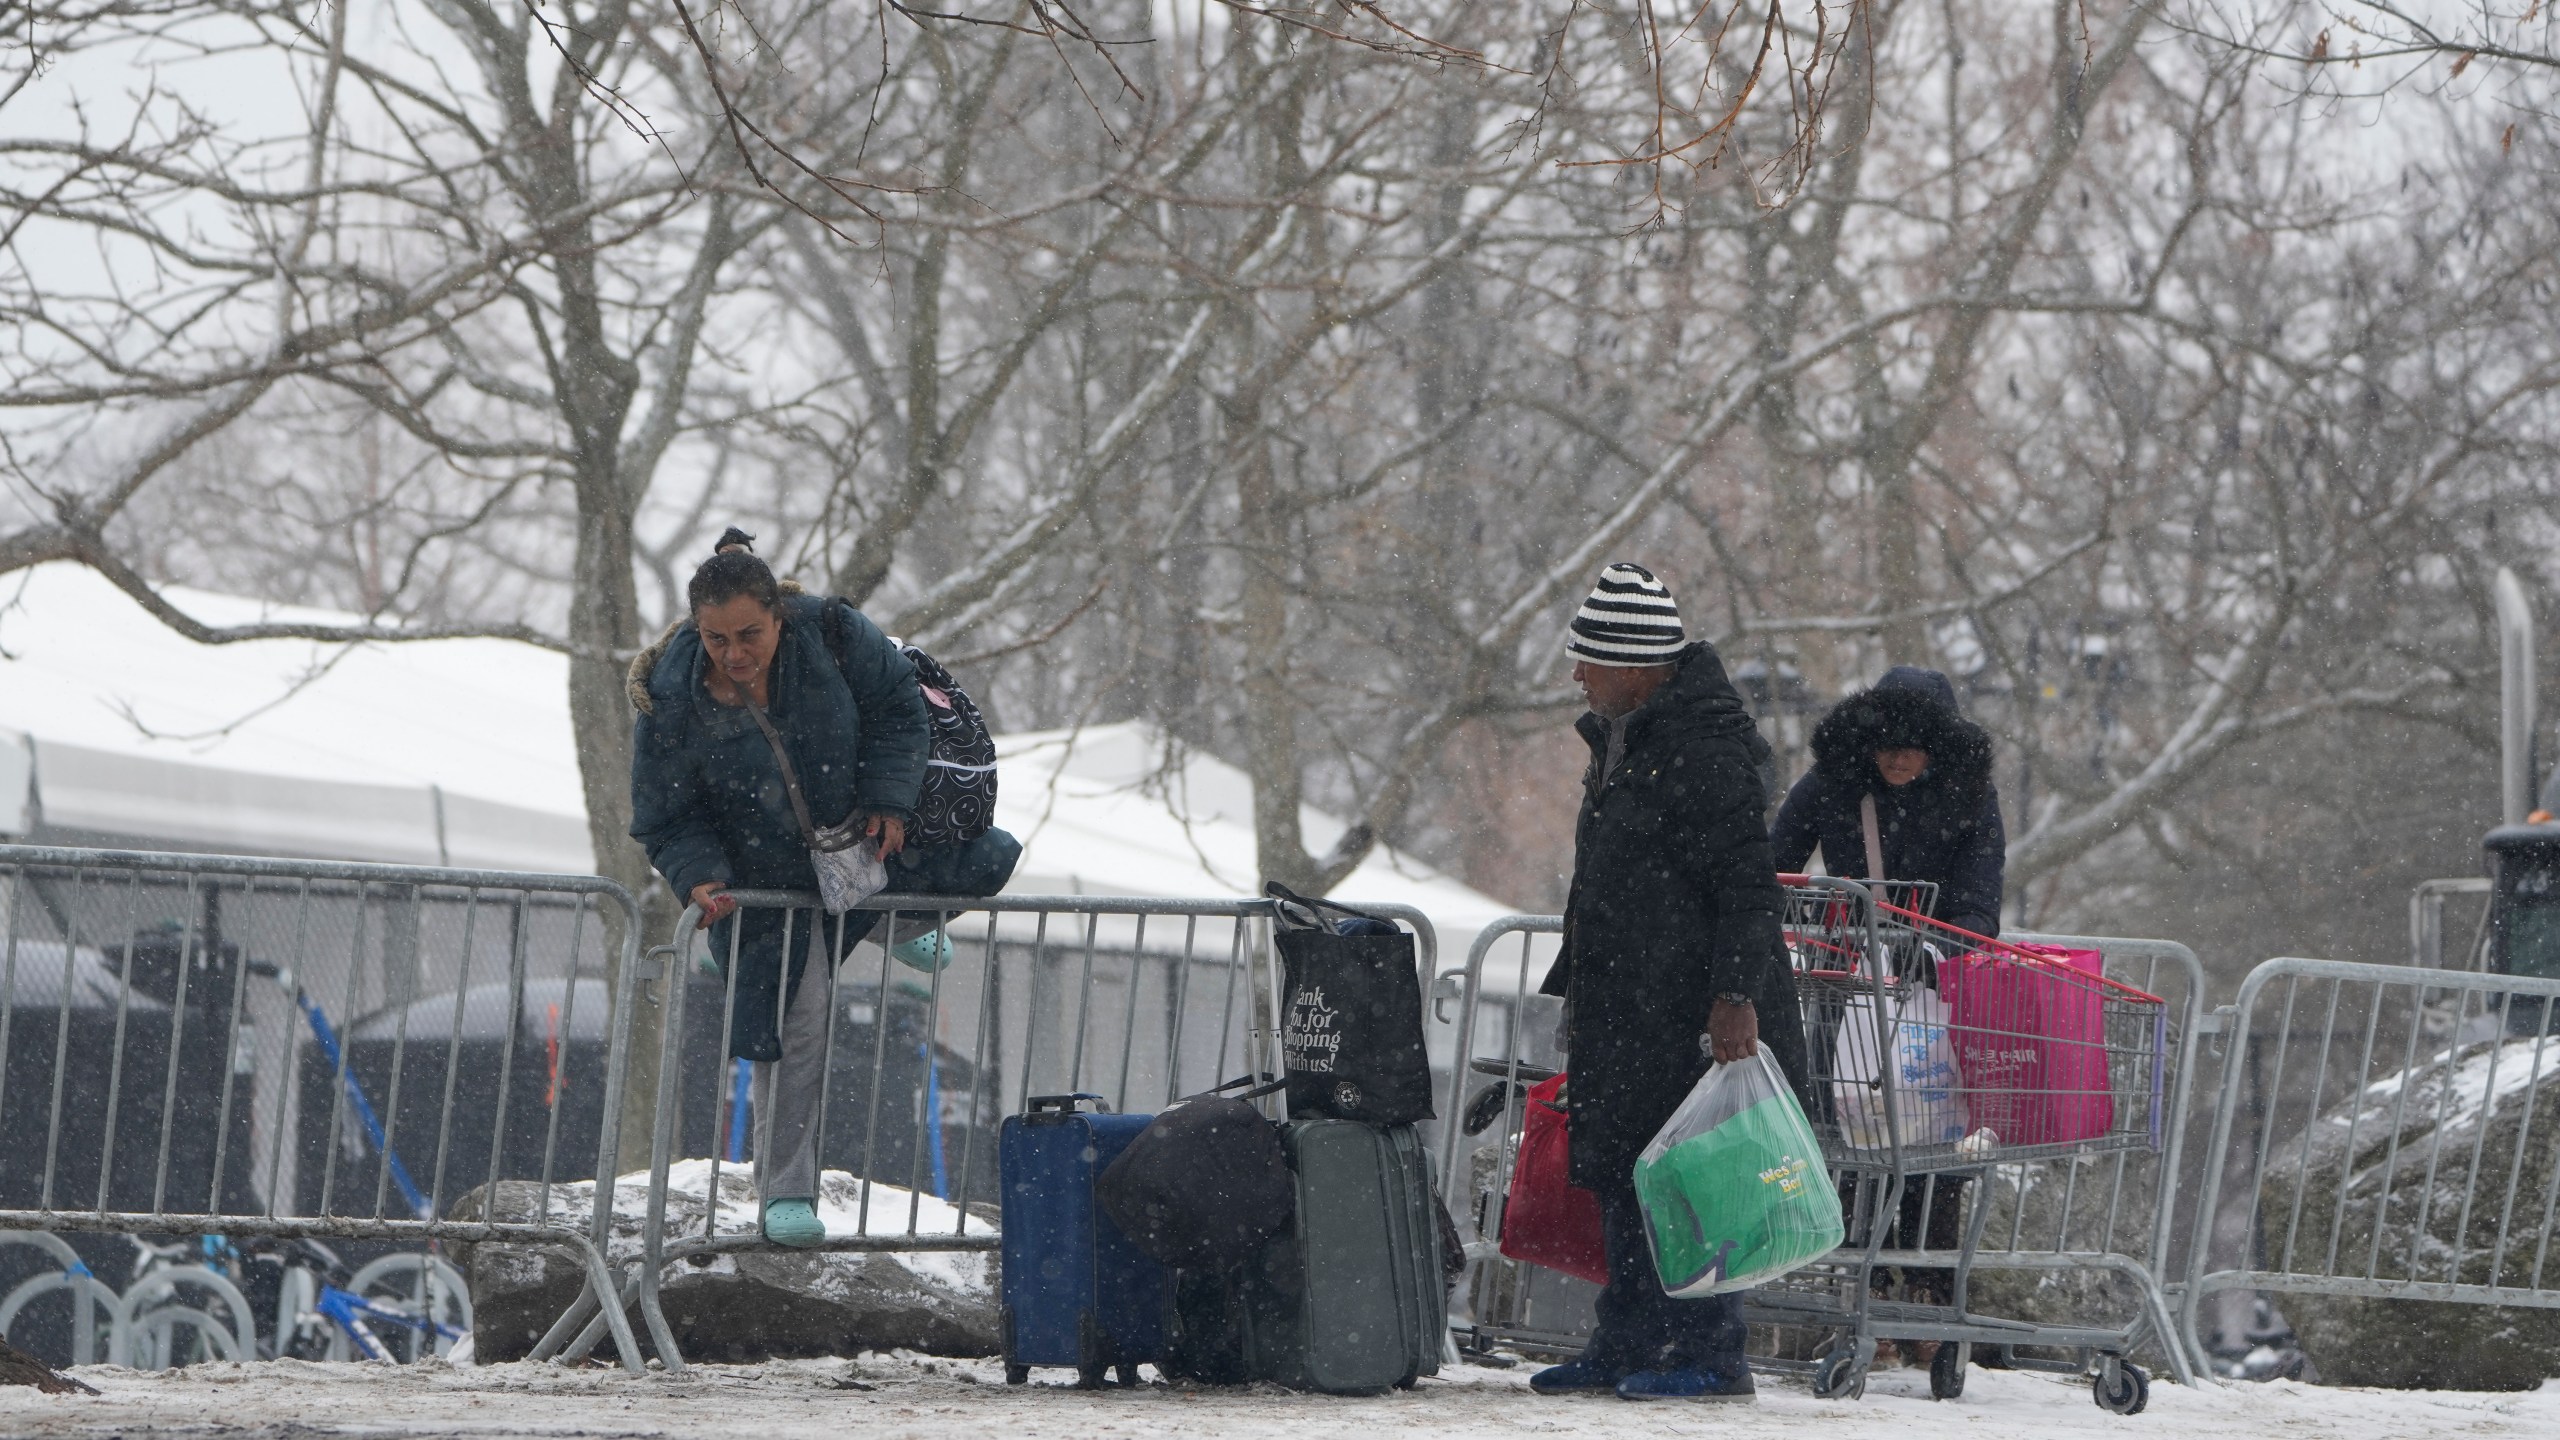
x=1733, y=1188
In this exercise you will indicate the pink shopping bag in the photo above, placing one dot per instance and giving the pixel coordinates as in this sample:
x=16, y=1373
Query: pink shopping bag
x=2029, y=1027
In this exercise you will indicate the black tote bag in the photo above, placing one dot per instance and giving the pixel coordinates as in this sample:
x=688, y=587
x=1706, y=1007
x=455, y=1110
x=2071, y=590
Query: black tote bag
x=1351, y=1018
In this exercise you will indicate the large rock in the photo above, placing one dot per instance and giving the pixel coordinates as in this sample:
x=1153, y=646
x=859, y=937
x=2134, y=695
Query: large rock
x=750, y=1306
x=2404, y=1167
x=516, y=1290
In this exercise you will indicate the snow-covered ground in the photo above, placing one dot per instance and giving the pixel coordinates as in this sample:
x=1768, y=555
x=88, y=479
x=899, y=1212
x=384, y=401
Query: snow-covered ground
x=911, y=1396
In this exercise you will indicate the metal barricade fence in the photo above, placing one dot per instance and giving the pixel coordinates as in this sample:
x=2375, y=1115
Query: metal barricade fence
x=274, y=1050
x=1506, y=1041
x=1137, y=1001
x=2106, y=1210
x=2383, y=1133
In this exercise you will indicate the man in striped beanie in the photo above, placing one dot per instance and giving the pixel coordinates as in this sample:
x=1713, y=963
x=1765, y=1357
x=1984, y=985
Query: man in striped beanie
x=1630, y=620
x=1672, y=952
x=1625, y=641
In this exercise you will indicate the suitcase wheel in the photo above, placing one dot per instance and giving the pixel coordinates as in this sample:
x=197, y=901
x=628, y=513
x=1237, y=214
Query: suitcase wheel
x=1129, y=1375
x=1092, y=1369
x=1410, y=1379
x=1017, y=1374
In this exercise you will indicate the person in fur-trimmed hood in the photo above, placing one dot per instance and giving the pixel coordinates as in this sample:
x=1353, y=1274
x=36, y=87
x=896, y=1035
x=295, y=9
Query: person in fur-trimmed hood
x=1904, y=745
x=1929, y=771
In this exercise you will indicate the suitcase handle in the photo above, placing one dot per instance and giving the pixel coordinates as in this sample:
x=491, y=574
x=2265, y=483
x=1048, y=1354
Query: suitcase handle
x=1262, y=1085
x=1064, y=1104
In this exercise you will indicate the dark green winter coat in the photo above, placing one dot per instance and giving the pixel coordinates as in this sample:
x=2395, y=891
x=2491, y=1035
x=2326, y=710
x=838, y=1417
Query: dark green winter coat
x=707, y=798
x=1674, y=901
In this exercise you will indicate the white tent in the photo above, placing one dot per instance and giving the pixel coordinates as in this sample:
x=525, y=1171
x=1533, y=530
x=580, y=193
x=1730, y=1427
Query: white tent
x=1116, y=809
x=439, y=752
x=115, y=729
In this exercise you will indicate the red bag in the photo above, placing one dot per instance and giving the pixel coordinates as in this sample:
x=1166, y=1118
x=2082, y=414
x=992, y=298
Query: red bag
x=2029, y=1029
x=1546, y=1221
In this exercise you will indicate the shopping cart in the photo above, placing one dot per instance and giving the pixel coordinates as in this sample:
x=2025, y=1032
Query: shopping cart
x=1830, y=924
x=1935, y=1055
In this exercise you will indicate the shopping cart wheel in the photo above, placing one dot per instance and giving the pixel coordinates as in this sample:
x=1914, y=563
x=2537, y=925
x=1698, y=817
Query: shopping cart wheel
x=2121, y=1388
x=1946, y=1369
x=1841, y=1375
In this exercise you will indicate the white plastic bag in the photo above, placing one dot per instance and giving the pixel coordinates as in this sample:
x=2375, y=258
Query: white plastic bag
x=848, y=862
x=1733, y=1188
x=1919, y=1060
x=849, y=876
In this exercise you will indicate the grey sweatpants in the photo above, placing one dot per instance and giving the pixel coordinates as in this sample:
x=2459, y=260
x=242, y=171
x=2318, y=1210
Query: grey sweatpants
x=788, y=1091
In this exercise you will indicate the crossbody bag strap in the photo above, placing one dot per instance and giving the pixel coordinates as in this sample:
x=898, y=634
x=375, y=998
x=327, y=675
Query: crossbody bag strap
x=790, y=777
x=1875, y=855
x=1866, y=822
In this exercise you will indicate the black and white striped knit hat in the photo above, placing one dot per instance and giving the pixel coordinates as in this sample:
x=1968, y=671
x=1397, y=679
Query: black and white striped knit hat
x=1630, y=619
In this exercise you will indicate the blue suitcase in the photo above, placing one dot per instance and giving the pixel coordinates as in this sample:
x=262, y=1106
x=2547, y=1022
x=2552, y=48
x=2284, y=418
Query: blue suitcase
x=1076, y=1292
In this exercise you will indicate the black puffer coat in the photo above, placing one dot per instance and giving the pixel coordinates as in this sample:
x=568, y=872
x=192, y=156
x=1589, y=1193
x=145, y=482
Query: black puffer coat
x=1943, y=827
x=1674, y=902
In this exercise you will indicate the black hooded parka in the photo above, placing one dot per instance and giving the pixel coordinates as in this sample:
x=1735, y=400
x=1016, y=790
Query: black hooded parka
x=1943, y=827
x=1674, y=901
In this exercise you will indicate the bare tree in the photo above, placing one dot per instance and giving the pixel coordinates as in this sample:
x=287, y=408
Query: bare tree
x=1920, y=415
x=1288, y=391
x=2364, y=48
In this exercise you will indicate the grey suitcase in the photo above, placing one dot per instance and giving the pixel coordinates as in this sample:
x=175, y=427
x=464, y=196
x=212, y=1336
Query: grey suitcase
x=1350, y=1300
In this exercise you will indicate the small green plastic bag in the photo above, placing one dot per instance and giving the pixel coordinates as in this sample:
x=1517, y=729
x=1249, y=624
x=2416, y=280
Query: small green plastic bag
x=1733, y=1188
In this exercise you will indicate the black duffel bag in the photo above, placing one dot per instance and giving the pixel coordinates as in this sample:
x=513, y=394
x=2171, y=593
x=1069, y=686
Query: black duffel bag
x=1351, y=1030
x=1205, y=1186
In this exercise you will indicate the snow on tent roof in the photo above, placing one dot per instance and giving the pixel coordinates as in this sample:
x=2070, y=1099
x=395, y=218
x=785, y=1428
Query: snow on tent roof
x=460, y=752
x=1120, y=810
x=541, y=1005
x=33, y=973
x=434, y=752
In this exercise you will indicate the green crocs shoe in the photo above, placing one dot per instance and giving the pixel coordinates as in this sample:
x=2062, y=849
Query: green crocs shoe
x=793, y=1223
x=929, y=952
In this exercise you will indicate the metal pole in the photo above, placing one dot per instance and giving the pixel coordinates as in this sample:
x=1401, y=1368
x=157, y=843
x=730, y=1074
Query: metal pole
x=2515, y=699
